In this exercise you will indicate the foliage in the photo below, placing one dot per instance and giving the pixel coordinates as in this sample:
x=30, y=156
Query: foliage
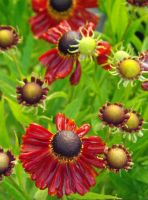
x=80, y=102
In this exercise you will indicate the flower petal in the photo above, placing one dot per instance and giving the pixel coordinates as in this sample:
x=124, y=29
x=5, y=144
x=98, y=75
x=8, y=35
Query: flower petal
x=81, y=188
x=88, y=4
x=41, y=23
x=92, y=160
x=39, y=5
x=83, y=130
x=50, y=58
x=75, y=77
x=59, y=71
x=63, y=123
x=93, y=145
x=55, y=33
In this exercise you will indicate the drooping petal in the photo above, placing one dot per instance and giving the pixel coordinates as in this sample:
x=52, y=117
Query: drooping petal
x=75, y=77
x=45, y=178
x=56, y=180
x=81, y=188
x=89, y=171
x=68, y=182
x=50, y=58
x=40, y=23
x=59, y=71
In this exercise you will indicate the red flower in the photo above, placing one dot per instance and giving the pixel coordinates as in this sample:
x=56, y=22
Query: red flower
x=63, y=162
x=59, y=61
x=144, y=85
x=50, y=12
x=104, y=51
x=138, y=2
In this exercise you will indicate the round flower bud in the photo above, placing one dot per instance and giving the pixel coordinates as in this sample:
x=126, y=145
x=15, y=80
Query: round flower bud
x=6, y=163
x=117, y=157
x=31, y=93
x=8, y=37
x=129, y=69
x=113, y=114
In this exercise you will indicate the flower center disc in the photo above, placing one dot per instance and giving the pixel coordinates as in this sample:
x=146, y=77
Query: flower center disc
x=133, y=121
x=4, y=161
x=66, y=143
x=117, y=158
x=60, y=5
x=32, y=92
x=114, y=114
x=6, y=38
x=129, y=68
x=87, y=45
x=67, y=40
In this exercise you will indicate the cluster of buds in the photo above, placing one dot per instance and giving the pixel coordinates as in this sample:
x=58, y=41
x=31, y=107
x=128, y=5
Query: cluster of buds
x=127, y=121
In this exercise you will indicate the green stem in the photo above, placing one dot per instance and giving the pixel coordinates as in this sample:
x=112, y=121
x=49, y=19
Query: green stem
x=64, y=197
x=17, y=66
x=108, y=134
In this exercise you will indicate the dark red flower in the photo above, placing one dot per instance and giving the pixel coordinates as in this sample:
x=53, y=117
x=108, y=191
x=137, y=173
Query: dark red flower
x=50, y=12
x=63, y=162
x=144, y=60
x=6, y=163
x=59, y=61
x=144, y=85
x=138, y=2
x=104, y=51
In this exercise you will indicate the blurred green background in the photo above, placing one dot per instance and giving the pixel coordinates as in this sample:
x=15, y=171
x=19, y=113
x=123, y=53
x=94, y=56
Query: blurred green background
x=123, y=25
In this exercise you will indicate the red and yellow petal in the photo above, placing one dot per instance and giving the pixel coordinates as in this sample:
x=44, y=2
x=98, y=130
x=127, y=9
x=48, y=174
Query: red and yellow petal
x=63, y=123
x=83, y=130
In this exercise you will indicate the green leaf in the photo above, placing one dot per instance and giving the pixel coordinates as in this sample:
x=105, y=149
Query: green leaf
x=145, y=44
x=4, y=137
x=7, y=85
x=18, y=114
x=57, y=95
x=12, y=190
x=41, y=194
x=119, y=18
x=28, y=48
x=133, y=27
x=93, y=196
